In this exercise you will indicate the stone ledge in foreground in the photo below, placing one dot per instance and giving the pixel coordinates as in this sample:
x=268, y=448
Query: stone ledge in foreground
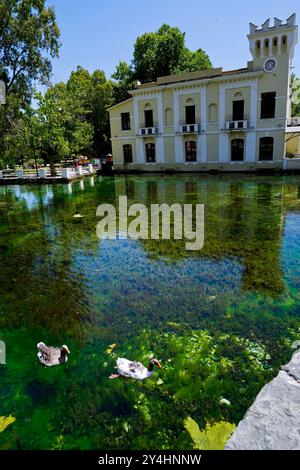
x=273, y=421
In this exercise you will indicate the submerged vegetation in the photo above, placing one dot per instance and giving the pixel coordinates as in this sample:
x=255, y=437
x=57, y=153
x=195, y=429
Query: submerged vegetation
x=221, y=320
x=212, y=438
x=5, y=421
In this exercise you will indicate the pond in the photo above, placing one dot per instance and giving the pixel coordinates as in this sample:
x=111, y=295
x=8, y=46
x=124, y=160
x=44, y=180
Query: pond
x=221, y=320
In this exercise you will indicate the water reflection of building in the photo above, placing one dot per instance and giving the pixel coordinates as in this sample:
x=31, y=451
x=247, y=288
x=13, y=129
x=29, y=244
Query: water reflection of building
x=244, y=219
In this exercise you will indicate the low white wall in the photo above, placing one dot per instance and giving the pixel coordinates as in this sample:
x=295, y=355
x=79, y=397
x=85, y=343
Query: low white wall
x=291, y=164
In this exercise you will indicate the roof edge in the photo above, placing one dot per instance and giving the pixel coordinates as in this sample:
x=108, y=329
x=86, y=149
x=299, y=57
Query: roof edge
x=118, y=104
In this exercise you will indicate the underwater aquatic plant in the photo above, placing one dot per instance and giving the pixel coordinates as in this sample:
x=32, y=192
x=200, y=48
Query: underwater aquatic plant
x=5, y=421
x=213, y=437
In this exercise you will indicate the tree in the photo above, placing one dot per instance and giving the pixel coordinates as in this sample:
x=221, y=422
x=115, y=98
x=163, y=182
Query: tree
x=90, y=95
x=52, y=131
x=29, y=38
x=22, y=141
x=157, y=54
x=295, y=96
x=124, y=77
x=101, y=97
x=72, y=119
x=63, y=128
x=193, y=61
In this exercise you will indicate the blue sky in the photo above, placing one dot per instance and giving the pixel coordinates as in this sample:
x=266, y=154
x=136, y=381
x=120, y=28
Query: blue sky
x=97, y=33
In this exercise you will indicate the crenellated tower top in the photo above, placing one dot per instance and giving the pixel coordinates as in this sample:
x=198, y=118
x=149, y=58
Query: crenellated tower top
x=268, y=41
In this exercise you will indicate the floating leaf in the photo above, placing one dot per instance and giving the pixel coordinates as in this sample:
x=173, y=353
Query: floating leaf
x=159, y=382
x=224, y=401
x=6, y=421
x=110, y=348
x=212, y=437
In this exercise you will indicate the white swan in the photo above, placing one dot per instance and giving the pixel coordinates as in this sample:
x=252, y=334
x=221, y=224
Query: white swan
x=133, y=369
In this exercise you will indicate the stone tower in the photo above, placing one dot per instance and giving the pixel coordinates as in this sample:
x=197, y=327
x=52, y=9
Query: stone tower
x=272, y=49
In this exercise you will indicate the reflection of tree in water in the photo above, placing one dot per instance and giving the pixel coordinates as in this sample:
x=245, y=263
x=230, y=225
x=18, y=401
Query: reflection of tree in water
x=242, y=219
x=38, y=284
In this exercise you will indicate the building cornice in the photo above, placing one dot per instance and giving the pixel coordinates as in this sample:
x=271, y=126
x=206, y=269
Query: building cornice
x=198, y=83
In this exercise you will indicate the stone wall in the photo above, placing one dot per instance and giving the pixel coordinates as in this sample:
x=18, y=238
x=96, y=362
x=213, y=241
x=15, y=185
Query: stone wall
x=273, y=421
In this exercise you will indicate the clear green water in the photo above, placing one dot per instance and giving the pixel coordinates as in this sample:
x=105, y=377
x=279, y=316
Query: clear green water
x=221, y=320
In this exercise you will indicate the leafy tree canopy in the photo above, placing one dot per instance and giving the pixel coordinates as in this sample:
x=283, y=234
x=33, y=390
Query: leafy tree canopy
x=124, y=77
x=295, y=96
x=29, y=38
x=90, y=95
x=68, y=120
x=157, y=54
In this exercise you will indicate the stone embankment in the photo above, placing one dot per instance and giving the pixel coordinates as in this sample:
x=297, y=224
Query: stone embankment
x=273, y=421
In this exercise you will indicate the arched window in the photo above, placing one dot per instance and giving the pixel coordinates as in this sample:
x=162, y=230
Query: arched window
x=266, y=148
x=258, y=48
x=237, y=150
x=127, y=153
x=212, y=112
x=150, y=153
x=168, y=117
x=284, y=43
x=266, y=47
x=191, y=151
x=275, y=46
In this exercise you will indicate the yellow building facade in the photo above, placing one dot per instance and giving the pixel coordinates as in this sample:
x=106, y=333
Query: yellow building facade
x=213, y=120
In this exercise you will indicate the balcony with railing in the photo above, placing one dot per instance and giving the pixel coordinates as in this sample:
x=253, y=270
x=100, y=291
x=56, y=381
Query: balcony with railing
x=147, y=131
x=189, y=128
x=237, y=125
x=293, y=122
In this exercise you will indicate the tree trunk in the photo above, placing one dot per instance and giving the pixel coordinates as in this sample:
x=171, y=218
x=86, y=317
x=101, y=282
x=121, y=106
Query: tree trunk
x=52, y=164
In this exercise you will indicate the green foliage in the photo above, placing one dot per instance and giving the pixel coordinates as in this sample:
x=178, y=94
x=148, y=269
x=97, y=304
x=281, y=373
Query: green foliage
x=52, y=114
x=213, y=437
x=69, y=119
x=88, y=96
x=295, y=96
x=29, y=38
x=23, y=139
x=192, y=61
x=157, y=54
x=124, y=77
